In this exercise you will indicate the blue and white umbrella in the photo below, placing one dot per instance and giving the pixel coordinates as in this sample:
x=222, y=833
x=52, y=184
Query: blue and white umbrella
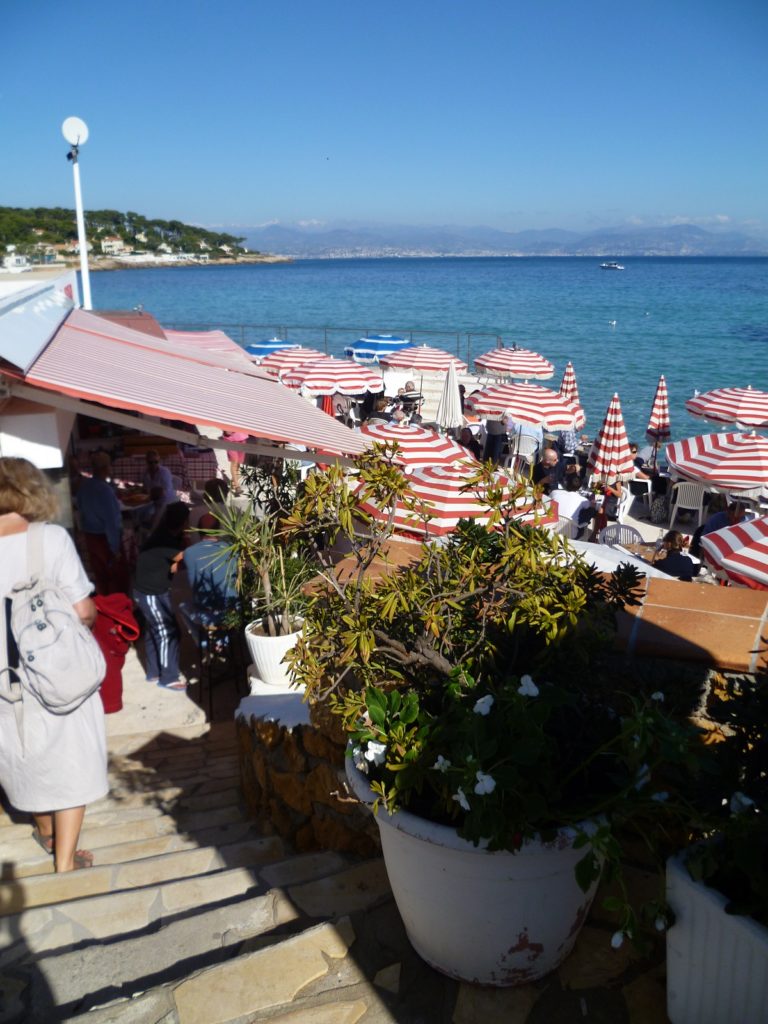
x=369, y=350
x=259, y=349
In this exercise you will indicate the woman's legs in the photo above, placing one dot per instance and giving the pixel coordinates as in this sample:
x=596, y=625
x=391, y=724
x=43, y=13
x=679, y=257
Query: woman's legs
x=63, y=829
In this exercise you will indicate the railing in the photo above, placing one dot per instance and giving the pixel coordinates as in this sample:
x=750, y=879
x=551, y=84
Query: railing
x=332, y=340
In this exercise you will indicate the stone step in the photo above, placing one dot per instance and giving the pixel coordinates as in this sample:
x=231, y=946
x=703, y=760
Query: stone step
x=47, y=889
x=179, y=737
x=151, y=847
x=163, y=774
x=25, y=848
x=99, y=970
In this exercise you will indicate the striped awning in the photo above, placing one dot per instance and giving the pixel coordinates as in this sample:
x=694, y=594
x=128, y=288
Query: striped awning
x=93, y=359
x=741, y=552
x=418, y=447
x=443, y=493
x=423, y=357
x=516, y=362
x=610, y=456
x=726, y=462
x=659, y=424
x=331, y=376
x=526, y=403
x=569, y=390
x=745, y=407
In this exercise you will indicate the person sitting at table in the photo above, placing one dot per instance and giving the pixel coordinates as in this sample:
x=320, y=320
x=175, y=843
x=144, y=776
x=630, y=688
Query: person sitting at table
x=158, y=476
x=379, y=412
x=672, y=560
x=548, y=471
x=731, y=516
x=572, y=504
x=468, y=440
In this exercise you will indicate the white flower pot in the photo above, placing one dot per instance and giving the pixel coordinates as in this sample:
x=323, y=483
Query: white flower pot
x=267, y=653
x=492, y=918
x=717, y=963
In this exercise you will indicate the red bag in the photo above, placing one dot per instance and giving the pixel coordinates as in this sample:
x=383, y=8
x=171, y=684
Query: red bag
x=115, y=630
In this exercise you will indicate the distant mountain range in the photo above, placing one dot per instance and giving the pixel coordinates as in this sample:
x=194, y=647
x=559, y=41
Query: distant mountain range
x=404, y=240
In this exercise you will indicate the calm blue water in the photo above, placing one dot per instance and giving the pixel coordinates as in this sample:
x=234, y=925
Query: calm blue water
x=701, y=322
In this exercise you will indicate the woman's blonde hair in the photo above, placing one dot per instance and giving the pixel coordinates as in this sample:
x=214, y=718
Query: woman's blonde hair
x=25, y=490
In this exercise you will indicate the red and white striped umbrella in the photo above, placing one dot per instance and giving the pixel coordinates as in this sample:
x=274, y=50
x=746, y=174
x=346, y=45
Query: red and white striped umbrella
x=526, y=403
x=418, y=446
x=659, y=425
x=441, y=489
x=422, y=357
x=288, y=359
x=745, y=407
x=569, y=390
x=331, y=376
x=516, y=362
x=741, y=551
x=726, y=462
x=610, y=456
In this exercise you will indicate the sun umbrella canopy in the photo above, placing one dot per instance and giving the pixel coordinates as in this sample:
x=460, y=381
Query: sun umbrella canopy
x=370, y=349
x=449, y=414
x=424, y=358
x=331, y=376
x=659, y=426
x=569, y=390
x=610, y=456
x=288, y=359
x=741, y=551
x=418, y=446
x=526, y=403
x=745, y=407
x=515, y=362
x=727, y=462
x=442, y=490
x=259, y=349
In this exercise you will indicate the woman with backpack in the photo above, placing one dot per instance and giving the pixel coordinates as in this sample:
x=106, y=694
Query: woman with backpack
x=52, y=763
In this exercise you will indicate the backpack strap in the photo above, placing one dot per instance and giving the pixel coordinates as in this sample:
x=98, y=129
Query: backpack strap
x=35, y=555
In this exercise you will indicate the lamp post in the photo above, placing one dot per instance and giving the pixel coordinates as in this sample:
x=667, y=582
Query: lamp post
x=75, y=132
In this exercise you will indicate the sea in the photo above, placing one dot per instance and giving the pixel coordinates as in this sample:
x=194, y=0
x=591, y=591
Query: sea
x=702, y=322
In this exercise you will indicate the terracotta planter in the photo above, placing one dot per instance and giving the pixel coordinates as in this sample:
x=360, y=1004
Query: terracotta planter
x=267, y=653
x=491, y=918
x=717, y=963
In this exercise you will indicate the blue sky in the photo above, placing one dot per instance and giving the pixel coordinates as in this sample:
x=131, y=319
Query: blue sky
x=515, y=115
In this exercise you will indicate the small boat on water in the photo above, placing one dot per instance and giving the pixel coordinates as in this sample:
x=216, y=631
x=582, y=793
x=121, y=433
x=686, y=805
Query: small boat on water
x=611, y=266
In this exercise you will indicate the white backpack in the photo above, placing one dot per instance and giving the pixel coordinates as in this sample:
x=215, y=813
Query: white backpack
x=56, y=659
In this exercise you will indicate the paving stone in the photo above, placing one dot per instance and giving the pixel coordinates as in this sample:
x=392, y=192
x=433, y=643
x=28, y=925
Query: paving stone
x=302, y=868
x=337, y=1013
x=11, y=998
x=271, y=977
x=476, y=1004
x=195, y=892
x=594, y=961
x=123, y=912
x=388, y=978
x=595, y=1006
x=646, y=997
x=41, y=890
x=153, y=1007
x=353, y=889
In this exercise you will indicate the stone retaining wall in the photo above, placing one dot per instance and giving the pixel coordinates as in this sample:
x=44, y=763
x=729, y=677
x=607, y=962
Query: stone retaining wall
x=293, y=777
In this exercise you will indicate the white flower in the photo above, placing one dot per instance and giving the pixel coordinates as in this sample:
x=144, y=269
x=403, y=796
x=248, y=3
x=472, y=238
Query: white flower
x=442, y=764
x=483, y=705
x=658, y=695
x=485, y=784
x=461, y=799
x=527, y=687
x=617, y=940
x=357, y=757
x=375, y=752
x=643, y=776
x=660, y=797
x=660, y=924
x=740, y=802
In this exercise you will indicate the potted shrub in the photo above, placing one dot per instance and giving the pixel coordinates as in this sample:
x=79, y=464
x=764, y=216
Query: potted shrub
x=487, y=724
x=717, y=949
x=271, y=576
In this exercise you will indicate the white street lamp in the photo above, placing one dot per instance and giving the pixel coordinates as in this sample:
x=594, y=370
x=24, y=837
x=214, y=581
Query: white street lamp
x=75, y=132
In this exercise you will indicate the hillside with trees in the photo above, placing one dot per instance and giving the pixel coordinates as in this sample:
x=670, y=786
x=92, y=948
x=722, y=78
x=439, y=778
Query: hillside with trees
x=44, y=228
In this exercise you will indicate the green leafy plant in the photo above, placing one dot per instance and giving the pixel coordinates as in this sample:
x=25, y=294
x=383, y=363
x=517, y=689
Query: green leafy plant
x=476, y=681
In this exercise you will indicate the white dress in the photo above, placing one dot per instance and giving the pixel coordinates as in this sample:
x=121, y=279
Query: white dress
x=62, y=761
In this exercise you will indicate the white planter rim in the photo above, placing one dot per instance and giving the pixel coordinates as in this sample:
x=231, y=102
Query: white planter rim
x=256, y=627
x=676, y=865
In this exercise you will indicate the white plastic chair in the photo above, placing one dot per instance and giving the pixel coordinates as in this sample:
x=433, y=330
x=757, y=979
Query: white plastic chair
x=688, y=497
x=568, y=528
x=616, y=533
x=646, y=485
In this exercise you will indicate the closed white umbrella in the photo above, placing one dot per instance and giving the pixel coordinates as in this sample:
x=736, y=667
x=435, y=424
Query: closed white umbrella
x=449, y=414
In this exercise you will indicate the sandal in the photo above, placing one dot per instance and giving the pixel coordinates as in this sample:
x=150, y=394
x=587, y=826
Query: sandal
x=83, y=859
x=178, y=686
x=44, y=842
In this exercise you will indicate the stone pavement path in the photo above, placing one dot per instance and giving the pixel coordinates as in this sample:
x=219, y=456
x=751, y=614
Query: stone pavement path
x=194, y=914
